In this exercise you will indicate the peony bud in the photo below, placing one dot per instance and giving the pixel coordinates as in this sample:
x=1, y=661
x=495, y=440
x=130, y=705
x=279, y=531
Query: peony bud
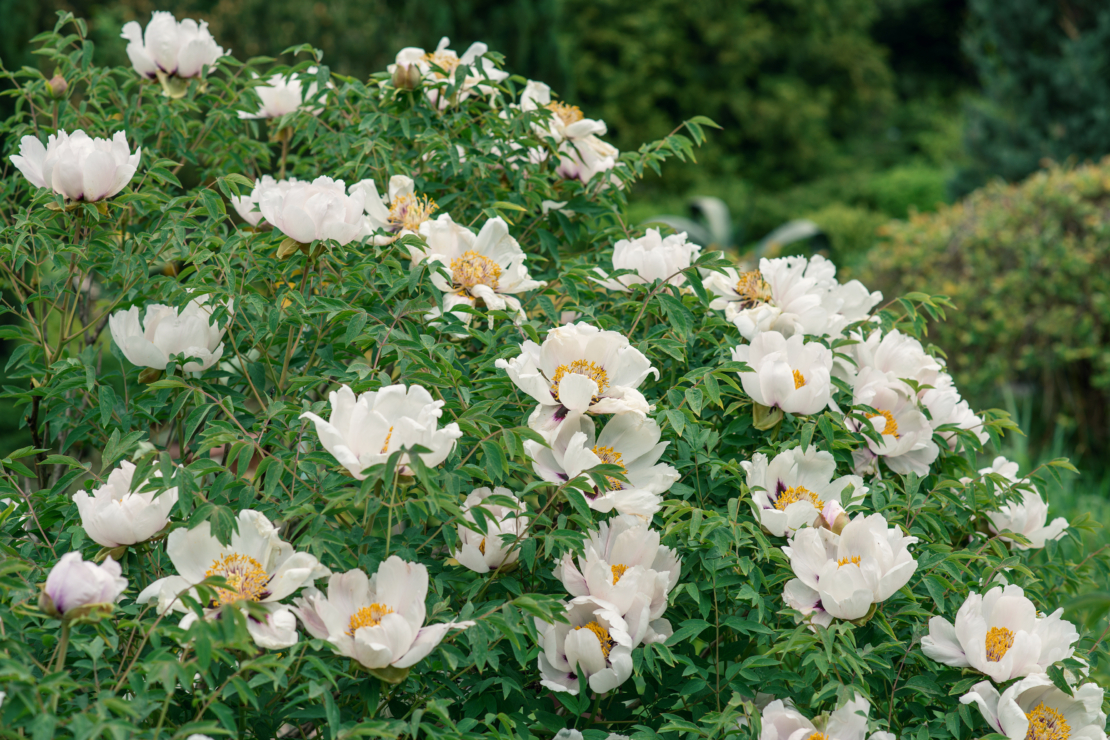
x=76, y=587
x=406, y=76
x=833, y=517
x=58, y=86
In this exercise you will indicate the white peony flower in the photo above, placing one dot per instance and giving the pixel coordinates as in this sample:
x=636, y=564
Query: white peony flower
x=905, y=436
x=571, y=734
x=785, y=295
x=1000, y=634
x=781, y=721
x=628, y=440
x=247, y=205
x=791, y=491
x=579, y=369
x=114, y=515
x=898, y=356
x=284, y=95
x=585, y=157
x=1028, y=517
x=321, y=209
x=847, y=573
x=624, y=565
x=76, y=166
x=438, y=70
x=401, y=212
x=594, y=638
x=651, y=258
x=166, y=332
x=488, y=267
x=788, y=374
x=947, y=409
x=1033, y=708
x=74, y=583
x=366, y=430
x=257, y=565
x=181, y=49
x=498, y=546
x=377, y=621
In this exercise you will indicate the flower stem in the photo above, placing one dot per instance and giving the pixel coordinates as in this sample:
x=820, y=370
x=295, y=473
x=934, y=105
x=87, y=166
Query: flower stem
x=63, y=648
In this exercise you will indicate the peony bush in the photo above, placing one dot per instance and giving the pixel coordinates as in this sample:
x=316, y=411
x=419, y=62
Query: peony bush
x=359, y=410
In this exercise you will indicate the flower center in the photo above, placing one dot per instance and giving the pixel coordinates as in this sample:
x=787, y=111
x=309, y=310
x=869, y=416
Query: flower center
x=999, y=640
x=602, y=636
x=482, y=546
x=852, y=560
x=799, y=379
x=246, y=579
x=591, y=370
x=567, y=114
x=1045, y=723
x=408, y=211
x=611, y=456
x=474, y=269
x=445, y=60
x=385, y=444
x=794, y=494
x=618, y=571
x=891, y=427
x=818, y=736
x=753, y=289
x=368, y=616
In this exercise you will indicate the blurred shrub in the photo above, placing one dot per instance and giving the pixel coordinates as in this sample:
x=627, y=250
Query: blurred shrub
x=851, y=230
x=1029, y=269
x=896, y=191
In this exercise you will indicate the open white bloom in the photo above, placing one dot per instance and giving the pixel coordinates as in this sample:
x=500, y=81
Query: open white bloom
x=1028, y=517
x=595, y=639
x=624, y=565
x=321, y=209
x=651, y=258
x=579, y=369
x=785, y=295
x=166, y=332
x=905, y=436
x=788, y=374
x=946, y=408
x=849, y=303
x=400, y=212
x=181, y=49
x=284, y=95
x=74, y=583
x=844, y=575
x=377, y=620
x=498, y=546
x=114, y=515
x=792, y=489
x=487, y=268
x=438, y=70
x=247, y=205
x=1000, y=634
x=257, y=565
x=898, y=356
x=366, y=430
x=781, y=721
x=585, y=157
x=76, y=166
x=1034, y=709
x=628, y=440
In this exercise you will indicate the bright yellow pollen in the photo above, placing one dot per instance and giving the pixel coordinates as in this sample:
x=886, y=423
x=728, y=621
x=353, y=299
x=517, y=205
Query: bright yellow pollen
x=567, y=114
x=474, y=269
x=482, y=546
x=799, y=379
x=818, y=736
x=385, y=444
x=853, y=560
x=891, y=427
x=590, y=369
x=368, y=616
x=602, y=636
x=753, y=289
x=618, y=571
x=408, y=211
x=444, y=60
x=611, y=456
x=1045, y=723
x=999, y=640
x=246, y=579
x=795, y=494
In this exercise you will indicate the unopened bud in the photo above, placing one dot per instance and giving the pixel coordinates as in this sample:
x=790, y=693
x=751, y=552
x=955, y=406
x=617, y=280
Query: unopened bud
x=833, y=517
x=58, y=86
x=406, y=76
x=46, y=604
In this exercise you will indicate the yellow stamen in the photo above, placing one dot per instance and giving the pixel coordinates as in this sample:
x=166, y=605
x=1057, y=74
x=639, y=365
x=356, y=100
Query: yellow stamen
x=385, y=444
x=590, y=369
x=999, y=640
x=567, y=114
x=444, y=60
x=818, y=736
x=618, y=571
x=1046, y=723
x=795, y=494
x=891, y=427
x=799, y=379
x=753, y=289
x=368, y=616
x=611, y=456
x=408, y=211
x=482, y=546
x=246, y=579
x=853, y=560
x=474, y=269
x=602, y=636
